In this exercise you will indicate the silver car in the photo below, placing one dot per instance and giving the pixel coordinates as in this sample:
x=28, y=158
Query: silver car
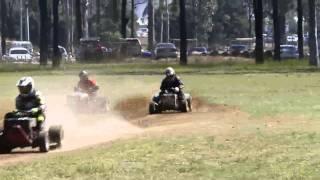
x=165, y=50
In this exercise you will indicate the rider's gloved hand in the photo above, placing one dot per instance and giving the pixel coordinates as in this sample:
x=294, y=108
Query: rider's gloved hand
x=176, y=89
x=18, y=113
x=34, y=110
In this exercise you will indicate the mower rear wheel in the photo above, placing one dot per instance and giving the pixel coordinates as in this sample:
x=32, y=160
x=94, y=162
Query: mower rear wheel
x=56, y=134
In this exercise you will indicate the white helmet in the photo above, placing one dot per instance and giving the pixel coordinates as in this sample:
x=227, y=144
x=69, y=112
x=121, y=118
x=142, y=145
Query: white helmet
x=83, y=75
x=169, y=71
x=25, y=85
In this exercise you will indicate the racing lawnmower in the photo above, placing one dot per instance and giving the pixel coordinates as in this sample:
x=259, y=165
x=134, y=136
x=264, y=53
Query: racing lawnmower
x=20, y=130
x=81, y=101
x=169, y=101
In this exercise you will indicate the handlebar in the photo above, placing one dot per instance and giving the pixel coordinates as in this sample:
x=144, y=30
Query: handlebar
x=23, y=113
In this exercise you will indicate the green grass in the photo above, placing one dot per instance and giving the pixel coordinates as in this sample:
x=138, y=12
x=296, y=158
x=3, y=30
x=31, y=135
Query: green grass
x=142, y=67
x=252, y=153
x=280, y=156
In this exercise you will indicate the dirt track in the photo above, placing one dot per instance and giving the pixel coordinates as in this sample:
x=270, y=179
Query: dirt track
x=129, y=118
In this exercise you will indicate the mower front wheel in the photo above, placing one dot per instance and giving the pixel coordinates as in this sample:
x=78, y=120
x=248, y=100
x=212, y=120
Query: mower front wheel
x=56, y=134
x=44, y=143
x=153, y=108
x=184, y=106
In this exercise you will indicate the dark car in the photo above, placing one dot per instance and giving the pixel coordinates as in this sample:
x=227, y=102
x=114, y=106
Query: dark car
x=165, y=50
x=237, y=50
x=196, y=51
x=89, y=49
x=131, y=47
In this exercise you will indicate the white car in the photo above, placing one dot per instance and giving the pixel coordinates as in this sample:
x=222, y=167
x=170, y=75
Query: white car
x=142, y=32
x=23, y=44
x=18, y=54
x=292, y=38
x=198, y=51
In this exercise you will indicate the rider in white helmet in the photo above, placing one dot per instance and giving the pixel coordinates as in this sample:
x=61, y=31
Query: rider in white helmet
x=30, y=100
x=87, y=85
x=172, y=83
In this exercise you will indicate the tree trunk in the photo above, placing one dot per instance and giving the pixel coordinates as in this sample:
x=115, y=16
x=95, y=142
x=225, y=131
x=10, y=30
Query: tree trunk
x=56, y=53
x=183, y=34
x=300, y=29
x=249, y=2
x=161, y=27
x=282, y=26
x=98, y=6
x=124, y=19
x=132, y=18
x=258, y=11
x=150, y=25
x=3, y=27
x=115, y=13
x=78, y=21
x=168, y=22
x=43, y=32
x=313, y=44
x=194, y=19
x=276, y=30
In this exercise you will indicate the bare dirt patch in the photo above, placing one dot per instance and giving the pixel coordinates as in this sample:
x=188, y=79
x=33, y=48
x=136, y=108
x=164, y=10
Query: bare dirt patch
x=133, y=107
x=135, y=110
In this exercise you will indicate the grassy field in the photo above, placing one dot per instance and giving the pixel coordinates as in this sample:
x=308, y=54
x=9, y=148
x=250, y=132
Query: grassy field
x=284, y=156
x=287, y=94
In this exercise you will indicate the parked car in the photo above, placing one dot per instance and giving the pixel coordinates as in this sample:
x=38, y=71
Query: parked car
x=292, y=38
x=89, y=49
x=63, y=53
x=131, y=47
x=165, y=50
x=20, y=44
x=202, y=51
x=289, y=52
x=18, y=54
x=146, y=54
x=238, y=49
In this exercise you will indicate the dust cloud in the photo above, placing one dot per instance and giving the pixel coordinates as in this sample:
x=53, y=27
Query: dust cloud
x=81, y=129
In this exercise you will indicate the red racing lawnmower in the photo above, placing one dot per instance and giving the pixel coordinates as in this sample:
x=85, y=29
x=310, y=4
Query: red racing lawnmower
x=20, y=130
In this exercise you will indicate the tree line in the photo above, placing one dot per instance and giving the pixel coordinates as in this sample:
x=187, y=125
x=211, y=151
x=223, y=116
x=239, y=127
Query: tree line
x=278, y=14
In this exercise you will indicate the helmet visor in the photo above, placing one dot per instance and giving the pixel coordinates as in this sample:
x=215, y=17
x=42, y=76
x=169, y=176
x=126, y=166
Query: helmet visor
x=169, y=73
x=84, y=78
x=25, y=89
